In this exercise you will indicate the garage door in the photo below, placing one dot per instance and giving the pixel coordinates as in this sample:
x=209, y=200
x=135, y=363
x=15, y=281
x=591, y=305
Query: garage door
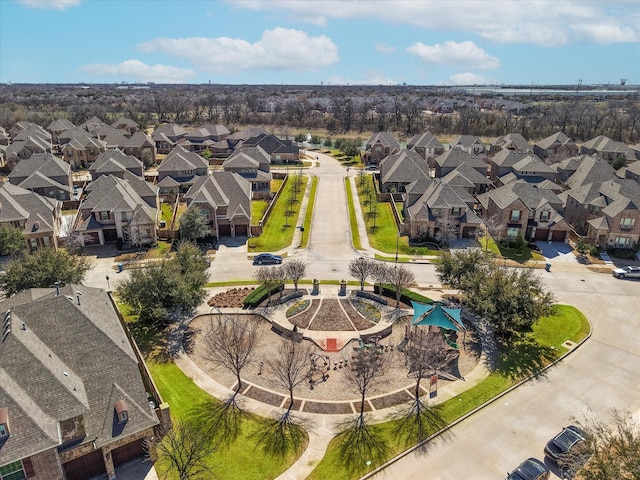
x=542, y=233
x=469, y=232
x=225, y=230
x=558, y=235
x=91, y=238
x=85, y=467
x=128, y=452
x=241, y=230
x=110, y=235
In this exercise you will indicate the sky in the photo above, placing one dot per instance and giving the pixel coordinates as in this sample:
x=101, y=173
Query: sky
x=313, y=42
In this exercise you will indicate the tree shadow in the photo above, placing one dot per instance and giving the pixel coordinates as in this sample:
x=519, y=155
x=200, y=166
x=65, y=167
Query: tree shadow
x=524, y=358
x=222, y=419
x=280, y=436
x=418, y=421
x=360, y=447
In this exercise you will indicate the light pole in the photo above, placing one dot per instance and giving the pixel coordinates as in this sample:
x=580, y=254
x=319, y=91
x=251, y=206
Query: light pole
x=107, y=278
x=301, y=228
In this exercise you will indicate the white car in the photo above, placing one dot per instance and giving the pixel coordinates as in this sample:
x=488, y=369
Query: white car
x=627, y=272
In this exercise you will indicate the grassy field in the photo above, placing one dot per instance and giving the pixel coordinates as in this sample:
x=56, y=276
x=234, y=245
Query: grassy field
x=542, y=346
x=308, y=216
x=279, y=229
x=353, y=222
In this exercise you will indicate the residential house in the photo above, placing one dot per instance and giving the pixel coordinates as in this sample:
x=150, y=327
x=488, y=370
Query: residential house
x=217, y=132
x=606, y=213
x=75, y=400
x=236, y=139
x=19, y=127
x=44, y=174
x=56, y=127
x=79, y=149
x=119, y=209
x=631, y=171
x=468, y=178
x=115, y=162
x=205, y=137
x=141, y=146
x=442, y=212
x=511, y=141
x=126, y=124
x=252, y=163
x=379, y=146
x=93, y=125
x=454, y=157
x=401, y=168
x=527, y=211
x=530, y=169
x=4, y=137
x=414, y=190
x=557, y=146
x=588, y=169
x=608, y=149
x=39, y=217
x=25, y=147
x=224, y=200
x=427, y=146
x=502, y=162
x=167, y=136
x=470, y=144
x=179, y=170
x=280, y=151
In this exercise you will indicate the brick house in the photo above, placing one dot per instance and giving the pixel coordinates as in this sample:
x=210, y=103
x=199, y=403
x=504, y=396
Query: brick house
x=558, y=145
x=252, y=163
x=167, y=136
x=608, y=149
x=454, y=157
x=401, y=168
x=80, y=149
x=527, y=211
x=427, y=146
x=115, y=162
x=379, y=146
x=470, y=144
x=45, y=175
x=280, y=151
x=71, y=409
x=511, y=141
x=179, y=170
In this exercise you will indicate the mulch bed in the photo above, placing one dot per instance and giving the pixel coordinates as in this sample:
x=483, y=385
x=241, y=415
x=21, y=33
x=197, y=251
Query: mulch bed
x=232, y=298
x=328, y=408
x=356, y=318
x=391, y=400
x=264, y=396
x=330, y=317
x=302, y=320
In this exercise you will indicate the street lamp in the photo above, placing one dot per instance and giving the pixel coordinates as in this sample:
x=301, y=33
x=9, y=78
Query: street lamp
x=107, y=278
x=301, y=228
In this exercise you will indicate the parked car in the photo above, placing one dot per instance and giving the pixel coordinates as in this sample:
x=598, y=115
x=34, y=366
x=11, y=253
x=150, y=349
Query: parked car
x=566, y=443
x=530, y=469
x=267, y=258
x=627, y=272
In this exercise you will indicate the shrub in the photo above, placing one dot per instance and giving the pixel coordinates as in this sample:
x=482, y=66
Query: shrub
x=259, y=295
x=406, y=296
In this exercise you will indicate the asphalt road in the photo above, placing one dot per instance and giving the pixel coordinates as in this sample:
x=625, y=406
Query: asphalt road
x=599, y=375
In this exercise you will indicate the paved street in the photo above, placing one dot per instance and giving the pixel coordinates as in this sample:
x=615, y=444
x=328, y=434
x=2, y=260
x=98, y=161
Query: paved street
x=599, y=375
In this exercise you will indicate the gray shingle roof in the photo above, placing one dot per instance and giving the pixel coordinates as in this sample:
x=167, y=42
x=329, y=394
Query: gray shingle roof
x=591, y=170
x=221, y=189
x=180, y=159
x=19, y=204
x=404, y=166
x=531, y=196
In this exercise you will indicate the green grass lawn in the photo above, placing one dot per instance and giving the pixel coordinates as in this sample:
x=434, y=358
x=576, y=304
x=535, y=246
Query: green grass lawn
x=353, y=222
x=275, y=185
x=308, y=216
x=549, y=334
x=242, y=459
x=278, y=231
x=166, y=213
x=258, y=207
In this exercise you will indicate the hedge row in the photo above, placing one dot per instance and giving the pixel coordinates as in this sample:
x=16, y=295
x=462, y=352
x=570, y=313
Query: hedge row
x=259, y=295
x=406, y=296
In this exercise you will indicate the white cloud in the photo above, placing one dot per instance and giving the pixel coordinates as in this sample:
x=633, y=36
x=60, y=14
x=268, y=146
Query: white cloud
x=468, y=78
x=278, y=49
x=140, y=71
x=458, y=54
x=370, y=78
x=50, y=4
x=383, y=48
x=548, y=23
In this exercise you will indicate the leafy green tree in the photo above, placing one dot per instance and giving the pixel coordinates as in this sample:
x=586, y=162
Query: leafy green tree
x=206, y=154
x=328, y=142
x=11, y=241
x=42, y=268
x=459, y=269
x=169, y=289
x=193, y=226
x=619, y=162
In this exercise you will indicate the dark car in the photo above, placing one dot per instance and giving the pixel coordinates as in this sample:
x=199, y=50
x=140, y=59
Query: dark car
x=530, y=469
x=627, y=272
x=565, y=444
x=266, y=259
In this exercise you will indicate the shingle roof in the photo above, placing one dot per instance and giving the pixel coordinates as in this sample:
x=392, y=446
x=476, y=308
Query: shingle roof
x=424, y=140
x=115, y=159
x=180, y=159
x=404, y=166
x=591, y=170
x=531, y=196
x=45, y=163
x=385, y=138
x=559, y=138
x=49, y=376
x=456, y=156
x=19, y=204
x=221, y=189
x=465, y=175
x=248, y=157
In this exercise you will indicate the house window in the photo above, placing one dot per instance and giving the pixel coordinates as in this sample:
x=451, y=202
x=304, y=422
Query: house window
x=515, y=215
x=46, y=241
x=627, y=223
x=104, y=215
x=622, y=242
x=33, y=243
x=4, y=431
x=204, y=213
x=69, y=153
x=512, y=232
x=544, y=215
x=456, y=211
x=13, y=471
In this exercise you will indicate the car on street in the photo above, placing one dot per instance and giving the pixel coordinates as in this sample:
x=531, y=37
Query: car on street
x=565, y=444
x=627, y=272
x=530, y=469
x=267, y=259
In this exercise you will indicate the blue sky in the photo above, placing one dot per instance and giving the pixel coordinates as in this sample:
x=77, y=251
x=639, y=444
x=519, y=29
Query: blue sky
x=418, y=42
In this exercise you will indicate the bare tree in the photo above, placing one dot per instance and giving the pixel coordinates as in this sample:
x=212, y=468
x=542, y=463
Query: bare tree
x=494, y=227
x=230, y=343
x=268, y=278
x=184, y=450
x=290, y=366
x=295, y=271
x=363, y=372
x=361, y=268
x=446, y=228
x=401, y=277
x=380, y=274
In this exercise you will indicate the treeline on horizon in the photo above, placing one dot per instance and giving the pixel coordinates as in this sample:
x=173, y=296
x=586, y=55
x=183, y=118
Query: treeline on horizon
x=403, y=110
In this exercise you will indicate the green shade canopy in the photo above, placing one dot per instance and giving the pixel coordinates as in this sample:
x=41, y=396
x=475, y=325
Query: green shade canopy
x=437, y=315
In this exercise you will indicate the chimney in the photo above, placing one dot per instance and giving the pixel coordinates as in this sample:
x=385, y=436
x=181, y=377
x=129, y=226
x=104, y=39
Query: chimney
x=57, y=285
